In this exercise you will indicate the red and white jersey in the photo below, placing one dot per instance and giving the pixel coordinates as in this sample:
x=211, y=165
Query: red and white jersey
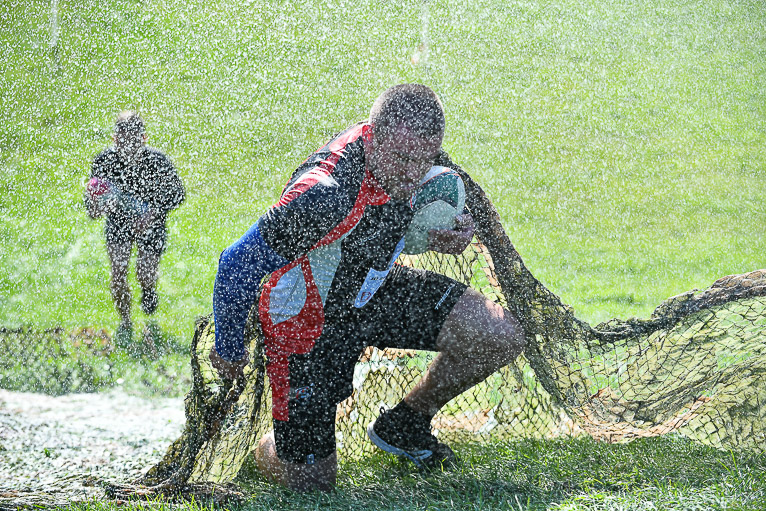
x=342, y=233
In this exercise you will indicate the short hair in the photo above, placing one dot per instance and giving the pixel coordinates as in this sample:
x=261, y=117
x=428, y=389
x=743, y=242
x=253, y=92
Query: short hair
x=415, y=106
x=129, y=123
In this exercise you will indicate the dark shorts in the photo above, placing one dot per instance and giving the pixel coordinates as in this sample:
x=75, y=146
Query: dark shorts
x=120, y=231
x=407, y=312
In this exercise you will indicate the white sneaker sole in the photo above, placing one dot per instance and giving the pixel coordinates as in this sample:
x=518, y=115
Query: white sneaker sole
x=415, y=457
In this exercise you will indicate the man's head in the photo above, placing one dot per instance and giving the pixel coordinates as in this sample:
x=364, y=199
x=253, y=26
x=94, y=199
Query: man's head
x=407, y=131
x=129, y=133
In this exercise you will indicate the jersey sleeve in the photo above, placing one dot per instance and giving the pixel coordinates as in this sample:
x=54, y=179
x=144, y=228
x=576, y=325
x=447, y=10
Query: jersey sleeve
x=98, y=167
x=168, y=190
x=319, y=196
x=310, y=207
x=241, y=268
x=444, y=160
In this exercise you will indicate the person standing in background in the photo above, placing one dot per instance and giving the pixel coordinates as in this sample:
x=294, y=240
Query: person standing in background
x=135, y=187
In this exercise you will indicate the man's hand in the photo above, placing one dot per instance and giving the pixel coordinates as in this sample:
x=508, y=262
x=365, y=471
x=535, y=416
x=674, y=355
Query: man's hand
x=455, y=240
x=99, y=205
x=228, y=370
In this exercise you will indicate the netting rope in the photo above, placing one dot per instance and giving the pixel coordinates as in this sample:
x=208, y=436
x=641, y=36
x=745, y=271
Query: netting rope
x=697, y=366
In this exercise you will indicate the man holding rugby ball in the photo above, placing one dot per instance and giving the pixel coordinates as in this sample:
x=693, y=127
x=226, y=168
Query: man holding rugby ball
x=135, y=186
x=329, y=246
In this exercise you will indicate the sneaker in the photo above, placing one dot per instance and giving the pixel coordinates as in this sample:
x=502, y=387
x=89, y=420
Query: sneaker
x=149, y=300
x=413, y=442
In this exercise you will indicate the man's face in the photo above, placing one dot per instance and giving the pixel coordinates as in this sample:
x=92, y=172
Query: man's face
x=128, y=142
x=400, y=159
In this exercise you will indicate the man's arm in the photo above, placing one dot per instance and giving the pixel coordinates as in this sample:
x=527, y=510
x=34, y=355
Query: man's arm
x=241, y=268
x=97, y=171
x=91, y=206
x=165, y=190
x=310, y=207
x=174, y=188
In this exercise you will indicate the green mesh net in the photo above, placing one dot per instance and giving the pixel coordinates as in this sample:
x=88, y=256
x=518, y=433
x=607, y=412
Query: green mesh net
x=697, y=366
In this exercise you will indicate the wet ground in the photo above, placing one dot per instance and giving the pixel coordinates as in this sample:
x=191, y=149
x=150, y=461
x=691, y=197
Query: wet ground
x=51, y=445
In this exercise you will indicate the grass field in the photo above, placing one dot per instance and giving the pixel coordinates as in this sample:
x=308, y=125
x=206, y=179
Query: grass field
x=623, y=143
x=654, y=474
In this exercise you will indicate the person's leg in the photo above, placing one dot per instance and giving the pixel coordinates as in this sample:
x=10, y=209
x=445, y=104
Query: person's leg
x=478, y=338
x=474, y=336
x=299, y=452
x=150, y=248
x=119, y=258
x=321, y=475
x=147, y=271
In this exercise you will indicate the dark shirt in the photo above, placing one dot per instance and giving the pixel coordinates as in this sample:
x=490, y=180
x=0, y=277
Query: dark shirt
x=342, y=233
x=328, y=244
x=149, y=177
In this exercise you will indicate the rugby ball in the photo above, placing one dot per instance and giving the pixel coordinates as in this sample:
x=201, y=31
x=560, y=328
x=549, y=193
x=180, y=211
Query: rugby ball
x=439, y=198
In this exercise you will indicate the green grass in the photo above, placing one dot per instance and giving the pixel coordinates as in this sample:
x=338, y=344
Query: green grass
x=623, y=143
x=668, y=473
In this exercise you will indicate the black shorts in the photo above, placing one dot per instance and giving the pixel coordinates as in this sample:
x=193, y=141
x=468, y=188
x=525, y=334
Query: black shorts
x=407, y=312
x=120, y=231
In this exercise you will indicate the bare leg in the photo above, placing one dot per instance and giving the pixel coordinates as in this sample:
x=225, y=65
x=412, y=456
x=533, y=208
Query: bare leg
x=319, y=476
x=478, y=338
x=119, y=257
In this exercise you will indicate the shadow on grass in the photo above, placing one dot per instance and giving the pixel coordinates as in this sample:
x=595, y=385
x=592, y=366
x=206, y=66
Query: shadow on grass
x=153, y=342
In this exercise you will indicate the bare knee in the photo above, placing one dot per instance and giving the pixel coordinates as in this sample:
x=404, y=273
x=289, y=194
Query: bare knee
x=507, y=340
x=500, y=340
x=320, y=476
x=482, y=329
